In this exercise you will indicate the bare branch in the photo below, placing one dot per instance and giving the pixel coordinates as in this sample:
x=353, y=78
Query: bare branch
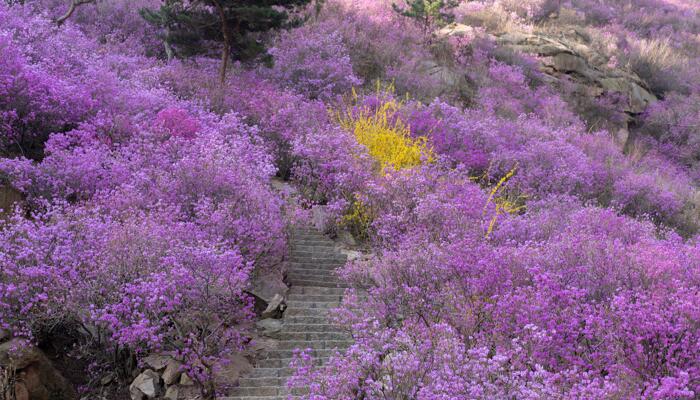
x=73, y=5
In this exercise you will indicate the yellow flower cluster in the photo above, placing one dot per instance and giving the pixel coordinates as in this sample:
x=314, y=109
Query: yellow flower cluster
x=506, y=203
x=387, y=139
x=359, y=219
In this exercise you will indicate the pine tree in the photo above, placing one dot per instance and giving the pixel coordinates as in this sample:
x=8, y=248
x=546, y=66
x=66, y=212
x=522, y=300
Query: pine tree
x=428, y=14
x=188, y=25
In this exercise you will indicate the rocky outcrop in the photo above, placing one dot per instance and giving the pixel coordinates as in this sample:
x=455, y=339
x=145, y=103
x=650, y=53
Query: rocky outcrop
x=275, y=307
x=163, y=378
x=568, y=58
x=570, y=52
x=145, y=386
x=9, y=199
x=31, y=373
x=448, y=81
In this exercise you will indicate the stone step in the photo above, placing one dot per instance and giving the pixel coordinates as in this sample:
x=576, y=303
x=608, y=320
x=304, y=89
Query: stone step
x=295, y=276
x=262, y=372
x=307, y=312
x=320, y=258
x=294, y=351
x=273, y=363
x=279, y=372
x=308, y=276
x=316, y=290
x=253, y=398
x=284, y=397
x=315, y=250
x=316, y=255
x=313, y=344
x=312, y=304
x=307, y=319
x=324, y=327
x=312, y=241
x=284, y=371
x=306, y=230
x=294, y=347
x=310, y=271
x=322, y=246
x=257, y=391
x=315, y=264
x=314, y=336
x=318, y=265
x=305, y=237
x=318, y=283
x=304, y=280
x=313, y=267
x=283, y=364
x=265, y=391
x=261, y=381
x=314, y=297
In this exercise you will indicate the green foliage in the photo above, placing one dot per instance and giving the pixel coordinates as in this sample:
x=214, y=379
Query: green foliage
x=429, y=14
x=188, y=26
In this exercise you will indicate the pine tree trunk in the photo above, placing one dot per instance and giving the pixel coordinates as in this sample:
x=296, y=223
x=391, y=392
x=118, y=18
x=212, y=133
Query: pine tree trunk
x=168, y=48
x=225, y=55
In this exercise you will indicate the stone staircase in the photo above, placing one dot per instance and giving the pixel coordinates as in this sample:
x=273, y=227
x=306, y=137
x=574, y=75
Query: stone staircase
x=314, y=290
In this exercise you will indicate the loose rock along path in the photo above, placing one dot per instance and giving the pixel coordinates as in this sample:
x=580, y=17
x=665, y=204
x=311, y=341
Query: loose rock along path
x=314, y=290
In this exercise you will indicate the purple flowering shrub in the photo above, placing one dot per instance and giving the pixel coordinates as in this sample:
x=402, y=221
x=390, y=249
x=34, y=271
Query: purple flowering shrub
x=115, y=24
x=527, y=257
x=672, y=126
x=308, y=146
x=313, y=62
x=181, y=220
x=552, y=155
x=194, y=309
x=33, y=103
x=543, y=309
x=148, y=214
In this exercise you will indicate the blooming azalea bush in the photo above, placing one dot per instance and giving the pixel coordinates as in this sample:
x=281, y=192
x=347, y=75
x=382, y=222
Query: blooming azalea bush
x=148, y=217
x=313, y=62
x=154, y=257
x=34, y=104
x=518, y=253
x=546, y=308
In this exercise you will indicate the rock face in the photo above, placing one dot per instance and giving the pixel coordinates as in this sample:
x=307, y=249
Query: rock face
x=275, y=307
x=35, y=376
x=449, y=81
x=163, y=378
x=9, y=198
x=270, y=327
x=172, y=372
x=570, y=52
x=268, y=285
x=145, y=386
x=568, y=57
x=157, y=361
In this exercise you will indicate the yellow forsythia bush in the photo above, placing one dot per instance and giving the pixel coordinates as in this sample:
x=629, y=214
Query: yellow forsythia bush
x=359, y=219
x=387, y=139
x=505, y=202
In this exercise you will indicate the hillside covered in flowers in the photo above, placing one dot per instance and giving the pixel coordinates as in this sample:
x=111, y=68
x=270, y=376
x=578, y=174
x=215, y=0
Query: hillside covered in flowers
x=521, y=178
